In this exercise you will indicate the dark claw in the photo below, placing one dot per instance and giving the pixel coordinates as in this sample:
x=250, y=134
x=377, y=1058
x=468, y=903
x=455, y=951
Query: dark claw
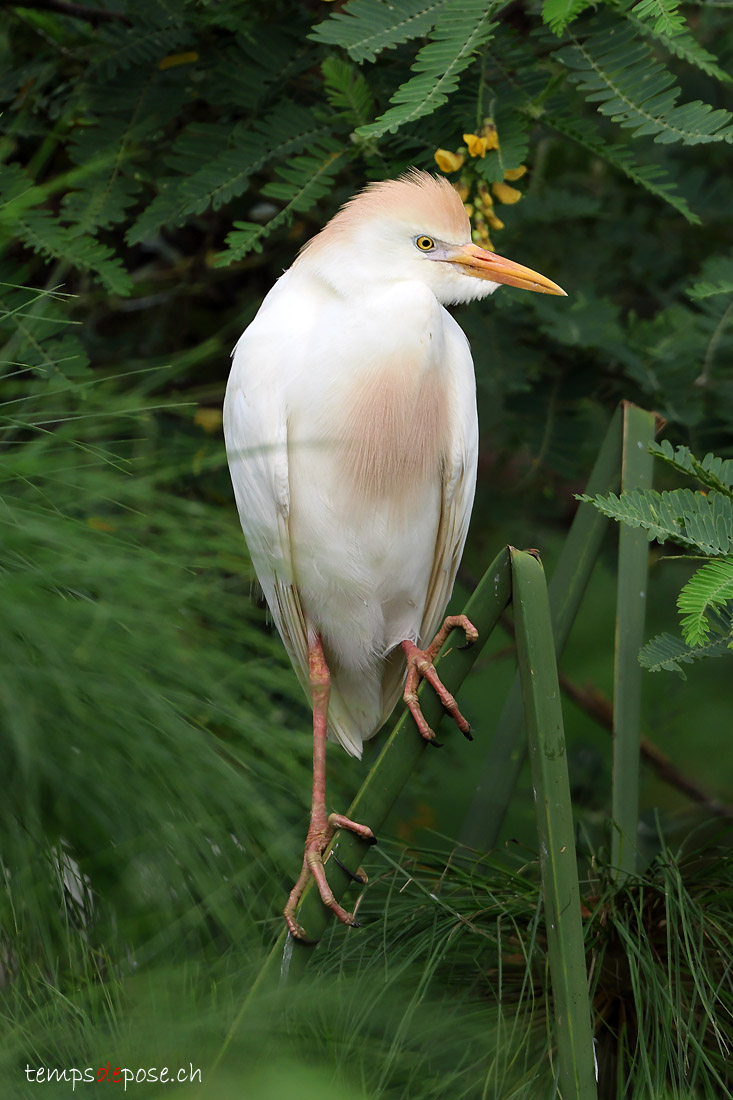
x=466, y=645
x=305, y=940
x=369, y=839
x=355, y=924
x=435, y=744
x=352, y=874
x=467, y=734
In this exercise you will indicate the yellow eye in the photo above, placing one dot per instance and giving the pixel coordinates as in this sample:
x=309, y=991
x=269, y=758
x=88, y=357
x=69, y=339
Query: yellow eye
x=425, y=244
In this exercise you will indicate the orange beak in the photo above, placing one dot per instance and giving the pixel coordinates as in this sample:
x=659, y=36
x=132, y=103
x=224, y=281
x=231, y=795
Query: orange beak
x=487, y=265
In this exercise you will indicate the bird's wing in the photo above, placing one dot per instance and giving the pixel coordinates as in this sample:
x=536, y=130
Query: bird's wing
x=457, y=492
x=255, y=430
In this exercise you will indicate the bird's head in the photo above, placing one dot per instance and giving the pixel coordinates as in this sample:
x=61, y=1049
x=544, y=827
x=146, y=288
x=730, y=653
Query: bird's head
x=412, y=228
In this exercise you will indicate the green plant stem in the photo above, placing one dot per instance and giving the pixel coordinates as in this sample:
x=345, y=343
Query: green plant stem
x=633, y=576
x=503, y=763
x=548, y=760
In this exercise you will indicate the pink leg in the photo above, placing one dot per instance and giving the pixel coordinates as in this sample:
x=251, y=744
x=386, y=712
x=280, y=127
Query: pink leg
x=420, y=666
x=322, y=826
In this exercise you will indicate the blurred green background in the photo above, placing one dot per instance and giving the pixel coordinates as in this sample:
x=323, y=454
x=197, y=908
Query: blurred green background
x=155, y=745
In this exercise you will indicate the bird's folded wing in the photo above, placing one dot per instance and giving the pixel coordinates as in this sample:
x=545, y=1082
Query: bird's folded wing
x=255, y=430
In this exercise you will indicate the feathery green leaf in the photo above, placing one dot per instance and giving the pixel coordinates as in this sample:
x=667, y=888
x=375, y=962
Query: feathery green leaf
x=366, y=27
x=305, y=180
x=713, y=472
x=668, y=652
x=463, y=28
x=663, y=15
x=651, y=177
x=709, y=588
x=557, y=14
x=700, y=522
x=617, y=71
x=347, y=91
x=717, y=278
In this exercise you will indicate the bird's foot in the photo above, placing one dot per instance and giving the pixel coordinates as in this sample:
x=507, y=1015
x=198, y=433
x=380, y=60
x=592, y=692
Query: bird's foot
x=420, y=666
x=316, y=843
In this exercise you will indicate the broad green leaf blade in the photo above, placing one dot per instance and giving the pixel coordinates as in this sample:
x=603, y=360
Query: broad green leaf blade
x=503, y=763
x=555, y=827
x=631, y=594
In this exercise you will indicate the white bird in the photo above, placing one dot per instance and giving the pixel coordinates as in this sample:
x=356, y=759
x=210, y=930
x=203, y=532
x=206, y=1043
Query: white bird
x=352, y=438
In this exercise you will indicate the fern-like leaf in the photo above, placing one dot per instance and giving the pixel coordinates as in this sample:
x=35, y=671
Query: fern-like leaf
x=366, y=27
x=682, y=44
x=694, y=520
x=717, y=278
x=713, y=472
x=305, y=180
x=668, y=652
x=463, y=28
x=651, y=177
x=616, y=71
x=557, y=14
x=347, y=91
x=662, y=15
x=40, y=231
x=709, y=588
x=287, y=130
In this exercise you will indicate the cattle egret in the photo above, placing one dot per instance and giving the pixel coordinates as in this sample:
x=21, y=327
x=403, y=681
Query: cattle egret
x=352, y=438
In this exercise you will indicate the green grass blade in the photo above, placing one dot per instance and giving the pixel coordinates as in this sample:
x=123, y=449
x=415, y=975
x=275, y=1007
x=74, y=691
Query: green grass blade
x=394, y=765
x=633, y=570
x=504, y=760
x=543, y=717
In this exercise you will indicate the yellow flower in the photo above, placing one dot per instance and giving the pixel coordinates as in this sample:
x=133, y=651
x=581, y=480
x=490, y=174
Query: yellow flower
x=174, y=59
x=506, y=194
x=448, y=162
x=462, y=189
x=492, y=136
x=485, y=194
x=494, y=222
x=468, y=208
x=481, y=236
x=515, y=173
x=476, y=145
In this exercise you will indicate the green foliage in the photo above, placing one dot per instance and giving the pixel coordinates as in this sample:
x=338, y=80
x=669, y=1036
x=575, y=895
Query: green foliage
x=701, y=521
x=668, y=652
x=694, y=520
x=615, y=69
x=159, y=169
x=711, y=587
x=558, y=13
x=663, y=15
x=366, y=27
x=462, y=28
x=717, y=278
